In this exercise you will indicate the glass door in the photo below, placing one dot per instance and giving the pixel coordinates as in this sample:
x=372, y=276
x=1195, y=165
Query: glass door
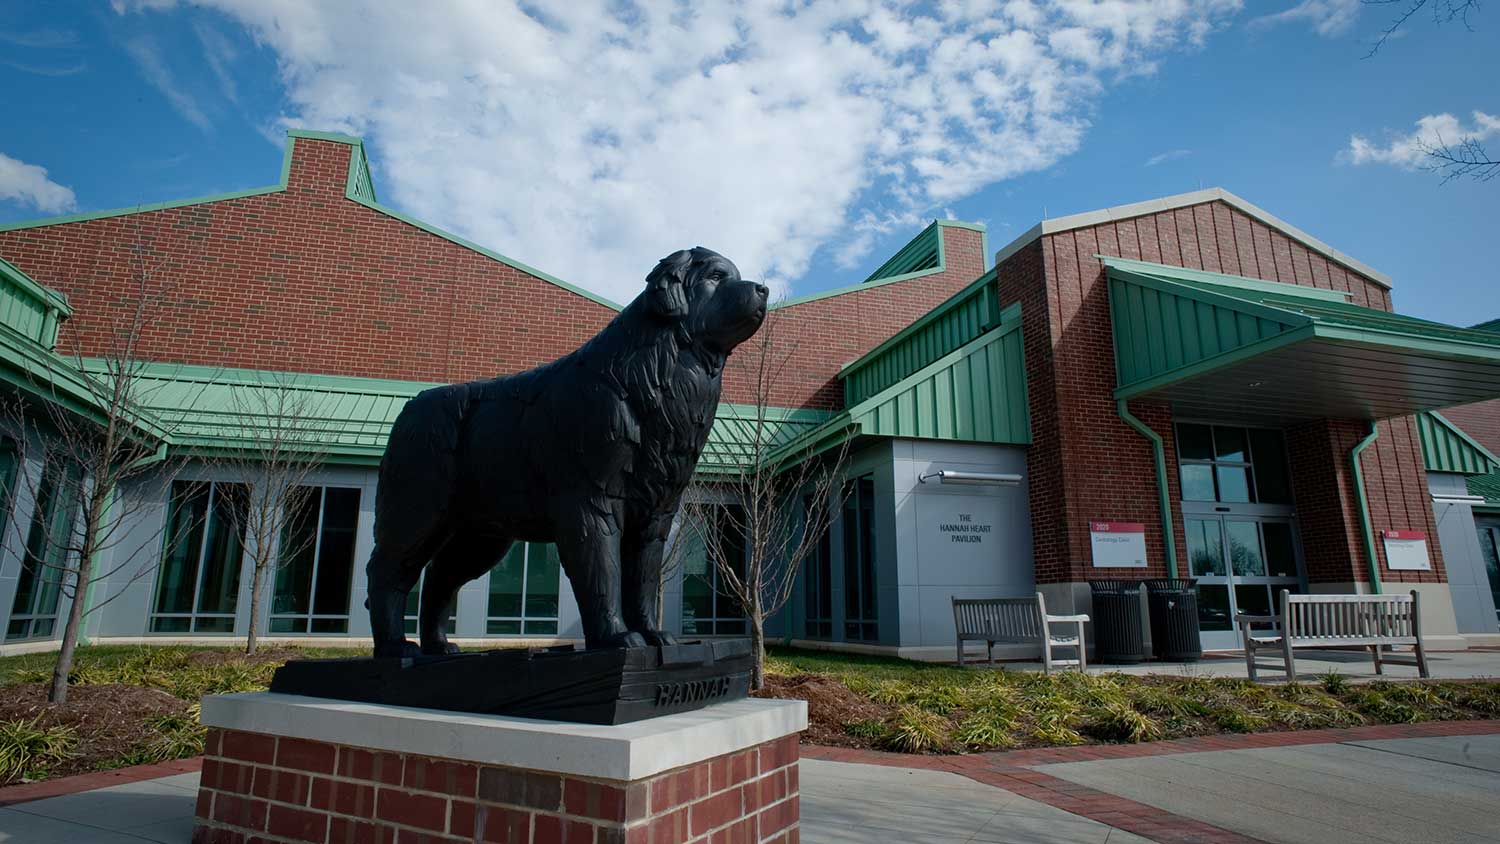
x=1242, y=563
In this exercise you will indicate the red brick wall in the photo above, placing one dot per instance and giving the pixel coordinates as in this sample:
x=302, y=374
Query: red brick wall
x=307, y=280
x=1480, y=420
x=820, y=336
x=258, y=787
x=1087, y=464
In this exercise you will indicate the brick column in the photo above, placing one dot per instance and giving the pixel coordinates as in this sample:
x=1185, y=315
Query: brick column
x=259, y=786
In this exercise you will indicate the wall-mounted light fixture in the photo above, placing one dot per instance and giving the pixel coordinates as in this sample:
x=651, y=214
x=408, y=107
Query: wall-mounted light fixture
x=948, y=476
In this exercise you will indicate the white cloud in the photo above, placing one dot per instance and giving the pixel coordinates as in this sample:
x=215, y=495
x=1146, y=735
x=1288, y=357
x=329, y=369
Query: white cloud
x=1169, y=155
x=1329, y=18
x=592, y=143
x=28, y=184
x=154, y=67
x=1410, y=151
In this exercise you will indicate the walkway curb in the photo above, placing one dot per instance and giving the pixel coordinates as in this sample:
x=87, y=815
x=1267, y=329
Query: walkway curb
x=27, y=792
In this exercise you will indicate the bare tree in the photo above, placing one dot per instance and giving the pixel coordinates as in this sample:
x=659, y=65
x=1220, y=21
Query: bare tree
x=1465, y=159
x=280, y=442
x=1443, y=11
x=779, y=504
x=86, y=426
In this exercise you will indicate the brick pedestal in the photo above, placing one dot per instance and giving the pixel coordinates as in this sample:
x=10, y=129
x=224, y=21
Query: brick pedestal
x=267, y=778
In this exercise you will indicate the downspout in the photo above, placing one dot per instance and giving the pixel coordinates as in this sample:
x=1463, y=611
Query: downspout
x=1158, y=453
x=1362, y=504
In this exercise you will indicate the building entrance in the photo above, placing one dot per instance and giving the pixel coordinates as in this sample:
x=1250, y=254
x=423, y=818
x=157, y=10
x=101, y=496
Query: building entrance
x=1242, y=541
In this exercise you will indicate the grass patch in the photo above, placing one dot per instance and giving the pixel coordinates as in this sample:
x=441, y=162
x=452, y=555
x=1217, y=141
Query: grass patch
x=29, y=750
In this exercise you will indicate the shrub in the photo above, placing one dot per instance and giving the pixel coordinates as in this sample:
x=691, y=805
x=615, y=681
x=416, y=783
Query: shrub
x=985, y=730
x=1237, y=720
x=1121, y=722
x=869, y=729
x=28, y=750
x=1335, y=683
x=175, y=737
x=915, y=730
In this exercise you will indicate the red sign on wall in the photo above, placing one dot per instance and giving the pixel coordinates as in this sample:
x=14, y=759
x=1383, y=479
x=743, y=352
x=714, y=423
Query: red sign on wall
x=1116, y=527
x=1403, y=534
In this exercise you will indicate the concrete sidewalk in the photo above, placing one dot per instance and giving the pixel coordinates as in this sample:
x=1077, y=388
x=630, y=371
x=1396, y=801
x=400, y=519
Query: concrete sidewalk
x=841, y=804
x=1434, y=789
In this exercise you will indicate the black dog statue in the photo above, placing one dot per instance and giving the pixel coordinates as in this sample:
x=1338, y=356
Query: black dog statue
x=591, y=451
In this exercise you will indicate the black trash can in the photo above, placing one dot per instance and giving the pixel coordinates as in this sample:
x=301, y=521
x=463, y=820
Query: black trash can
x=1117, y=622
x=1174, y=619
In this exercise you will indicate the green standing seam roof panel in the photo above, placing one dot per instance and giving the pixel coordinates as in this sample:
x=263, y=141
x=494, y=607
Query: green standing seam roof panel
x=732, y=442
x=964, y=316
x=1446, y=448
x=975, y=393
x=1493, y=326
x=1488, y=487
x=28, y=308
x=1282, y=352
x=923, y=252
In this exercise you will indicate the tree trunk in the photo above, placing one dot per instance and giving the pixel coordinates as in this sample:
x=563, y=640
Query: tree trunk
x=257, y=584
x=758, y=650
x=64, y=666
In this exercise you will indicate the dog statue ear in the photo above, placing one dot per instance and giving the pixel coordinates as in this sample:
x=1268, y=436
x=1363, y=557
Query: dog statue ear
x=665, y=284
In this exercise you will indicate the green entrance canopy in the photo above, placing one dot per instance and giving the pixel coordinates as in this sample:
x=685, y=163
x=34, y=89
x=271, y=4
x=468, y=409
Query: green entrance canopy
x=1217, y=346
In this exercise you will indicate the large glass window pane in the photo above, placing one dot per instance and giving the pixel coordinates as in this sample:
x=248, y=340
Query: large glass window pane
x=1281, y=554
x=859, y=560
x=867, y=549
x=1234, y=484
x=1213, y=607
x=1253, y=598
x=543, y=576
x=336, y=551
x=1229, y=445
x=8, y=465
x=506, y=583
x=1205, y=547
x=298, y=550
x=1273, y=484
x=1195, y=442
x=1244, y=548
x=817, y=584
x=1197, y=482
x=220, y=587
x=179, y=567
x=1489, y=547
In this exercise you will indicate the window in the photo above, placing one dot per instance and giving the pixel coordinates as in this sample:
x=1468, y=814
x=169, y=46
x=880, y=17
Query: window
x=860, y=616
x=316, y=562
x=198, y=585
x=414, y=609
x=8, y=464
x=1489, y=548
x=33, y=612
x=708, y=607
x=818, y=585
x=1233, y=465
x=523, y=591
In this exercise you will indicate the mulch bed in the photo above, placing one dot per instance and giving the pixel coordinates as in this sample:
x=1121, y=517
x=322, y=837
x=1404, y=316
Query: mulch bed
x=830, y=705
x=110, y=720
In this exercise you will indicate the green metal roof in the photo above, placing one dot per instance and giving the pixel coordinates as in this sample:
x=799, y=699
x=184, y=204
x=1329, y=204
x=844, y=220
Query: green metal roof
x=1493, y=326
x=341, y=419
x=923, y=252
x=975, y=393
x=1218, y=346
x=738, y=437
x=887, y=273
x=1488, y=487
x=1446, y=448
x=29, y=308
x=964, y=316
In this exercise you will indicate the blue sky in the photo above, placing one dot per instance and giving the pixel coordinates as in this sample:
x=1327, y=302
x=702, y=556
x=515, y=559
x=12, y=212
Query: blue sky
x=807, y=144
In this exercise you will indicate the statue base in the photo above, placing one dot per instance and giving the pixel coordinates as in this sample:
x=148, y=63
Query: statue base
x=606, y=686
x=288, y=768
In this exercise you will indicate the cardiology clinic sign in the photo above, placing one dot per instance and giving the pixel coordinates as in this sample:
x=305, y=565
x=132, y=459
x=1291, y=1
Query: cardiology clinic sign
x=1118, y=544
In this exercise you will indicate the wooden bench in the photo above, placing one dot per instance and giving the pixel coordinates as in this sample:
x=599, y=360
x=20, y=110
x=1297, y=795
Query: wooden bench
x=1337, y=621
x=1018, y=621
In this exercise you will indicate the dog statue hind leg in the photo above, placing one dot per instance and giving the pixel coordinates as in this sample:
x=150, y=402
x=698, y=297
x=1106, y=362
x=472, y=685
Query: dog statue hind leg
x=460, y=561
x=641, y=557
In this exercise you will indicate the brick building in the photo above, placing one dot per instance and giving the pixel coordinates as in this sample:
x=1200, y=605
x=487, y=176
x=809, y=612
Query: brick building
x=1212, y=386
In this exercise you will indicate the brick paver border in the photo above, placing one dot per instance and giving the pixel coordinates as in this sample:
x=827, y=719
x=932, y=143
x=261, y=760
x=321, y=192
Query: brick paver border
x=27, y=792
x=1015, y=772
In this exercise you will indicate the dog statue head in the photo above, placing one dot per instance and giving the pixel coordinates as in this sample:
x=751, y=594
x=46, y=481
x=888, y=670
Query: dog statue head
x=703, y=292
